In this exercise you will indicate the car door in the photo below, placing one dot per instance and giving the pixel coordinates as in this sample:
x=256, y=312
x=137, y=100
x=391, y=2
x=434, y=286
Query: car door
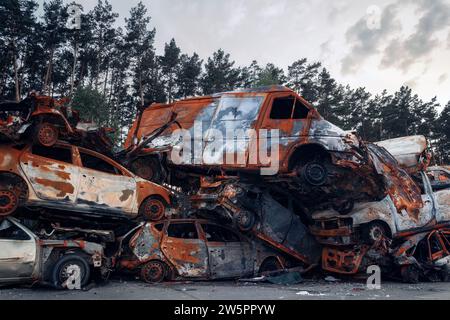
x=185, y=250
x=51, y=172
x=104, y=186
x=227, y=255
x=426, y=214
x=18, y=254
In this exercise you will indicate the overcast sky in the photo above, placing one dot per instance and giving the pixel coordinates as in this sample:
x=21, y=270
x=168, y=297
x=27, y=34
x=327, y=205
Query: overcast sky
x=375, y=44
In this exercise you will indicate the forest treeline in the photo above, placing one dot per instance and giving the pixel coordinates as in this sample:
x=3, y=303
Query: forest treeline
x=110, y=71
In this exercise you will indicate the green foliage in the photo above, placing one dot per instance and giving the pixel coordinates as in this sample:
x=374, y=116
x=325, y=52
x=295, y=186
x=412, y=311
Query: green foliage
x=92, y=106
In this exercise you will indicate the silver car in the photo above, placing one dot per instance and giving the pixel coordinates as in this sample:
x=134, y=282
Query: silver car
x=24, y=258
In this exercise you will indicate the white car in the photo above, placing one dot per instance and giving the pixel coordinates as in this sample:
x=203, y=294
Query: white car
x=24, y=258
x=370, y=221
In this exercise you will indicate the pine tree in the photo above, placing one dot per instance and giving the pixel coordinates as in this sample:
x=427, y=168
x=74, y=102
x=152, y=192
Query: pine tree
x=139, y=43
x=271, y=75
x=303, y=78
x=220, y=74
x=17, y=24
x=443, y=146
x=188, y=76
x=170, y=63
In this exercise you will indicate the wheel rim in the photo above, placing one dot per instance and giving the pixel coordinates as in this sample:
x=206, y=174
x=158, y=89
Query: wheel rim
x=68, y=270
x=47, y=135
x=153, y=272
x=8, y=202
x=154, y=209
x=245, y=220
x=376, y=233
x=315, y=174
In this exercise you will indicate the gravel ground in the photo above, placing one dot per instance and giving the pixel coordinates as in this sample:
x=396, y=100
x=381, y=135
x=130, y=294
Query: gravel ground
x=316, y=290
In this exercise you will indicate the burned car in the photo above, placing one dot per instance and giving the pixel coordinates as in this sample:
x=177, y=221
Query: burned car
x=25, y=258
x=76, y=181
x=195, y=249
x=45, y=120
x=229, y=134
x=371, y=221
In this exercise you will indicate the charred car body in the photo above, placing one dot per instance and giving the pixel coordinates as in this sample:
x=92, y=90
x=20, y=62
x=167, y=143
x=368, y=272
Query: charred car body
x=196, y=249
x=45, y=120
x=316, y=159
x=25, y=258
x=76, y=181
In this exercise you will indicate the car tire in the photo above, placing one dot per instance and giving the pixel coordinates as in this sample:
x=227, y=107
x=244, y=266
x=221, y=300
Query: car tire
x=245, y=220
x=314, y=173
x=410, y=274
x=9, y=202
x=46, y=134
x=153, y=209
x=69, y=263
x=154, y=271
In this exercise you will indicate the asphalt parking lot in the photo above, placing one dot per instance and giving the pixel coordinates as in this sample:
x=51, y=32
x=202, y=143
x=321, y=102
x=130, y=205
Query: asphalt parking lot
x=131, y=289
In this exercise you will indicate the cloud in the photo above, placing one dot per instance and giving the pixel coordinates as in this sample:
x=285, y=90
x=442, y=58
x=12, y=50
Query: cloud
x=403, y=53
x=368, y=34
x=442, y=78
x=448, y=41
x=337, y=8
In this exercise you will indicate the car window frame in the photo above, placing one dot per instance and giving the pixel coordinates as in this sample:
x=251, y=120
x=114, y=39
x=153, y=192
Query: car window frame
x=239, y=237
x=29, y=150
x=103, y=158
x=200, y=235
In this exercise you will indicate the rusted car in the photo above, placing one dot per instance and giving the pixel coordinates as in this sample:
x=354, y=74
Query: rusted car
x=424, y=256
x=76, y=181
x=316, y=159
x=25, y=258
x=45, y=120
x=412, y=152
x=195, y=249
x=371, y=221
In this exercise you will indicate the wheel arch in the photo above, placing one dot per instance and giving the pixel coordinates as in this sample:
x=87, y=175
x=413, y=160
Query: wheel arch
x=304, y=151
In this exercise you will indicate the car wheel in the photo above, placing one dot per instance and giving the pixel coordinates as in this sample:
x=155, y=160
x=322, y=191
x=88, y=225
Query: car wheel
x=153, y=209
x=154, y=271
x=410, y=274
x=245, y=220
x=8, y=202
x=375, y=231
x=314, y=173
x=148, y=169
x=68, y=266
x=46, y=134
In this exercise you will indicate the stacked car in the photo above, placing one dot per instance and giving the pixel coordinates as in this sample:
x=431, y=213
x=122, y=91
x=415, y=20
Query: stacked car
x=335, y=203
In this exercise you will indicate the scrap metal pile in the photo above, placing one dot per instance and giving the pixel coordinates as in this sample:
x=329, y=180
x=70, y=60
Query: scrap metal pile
x=232, y=185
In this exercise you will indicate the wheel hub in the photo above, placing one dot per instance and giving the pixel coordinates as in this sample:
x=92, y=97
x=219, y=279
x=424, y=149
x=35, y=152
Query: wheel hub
x=8, y=202
x=153, y=272
x=315, y=174
x=47, y=135
x=154, y=210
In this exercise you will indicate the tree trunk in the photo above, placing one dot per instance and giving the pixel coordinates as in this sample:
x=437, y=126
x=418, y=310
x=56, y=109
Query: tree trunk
x=72, y=78
x=16, y=76
x=49, y=71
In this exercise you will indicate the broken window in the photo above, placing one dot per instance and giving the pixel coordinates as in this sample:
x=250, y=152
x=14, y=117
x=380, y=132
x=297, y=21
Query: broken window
x=55, y=153
x=9, y=231
x=182, y=231
x=94, y=163
x=216, y=233
x=300, y=111
x=282, y=108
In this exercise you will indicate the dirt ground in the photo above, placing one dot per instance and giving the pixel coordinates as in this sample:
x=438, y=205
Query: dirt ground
x=231, y=290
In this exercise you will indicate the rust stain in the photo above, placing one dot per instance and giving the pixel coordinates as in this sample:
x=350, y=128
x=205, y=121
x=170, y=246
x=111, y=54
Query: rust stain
x=63, y=187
